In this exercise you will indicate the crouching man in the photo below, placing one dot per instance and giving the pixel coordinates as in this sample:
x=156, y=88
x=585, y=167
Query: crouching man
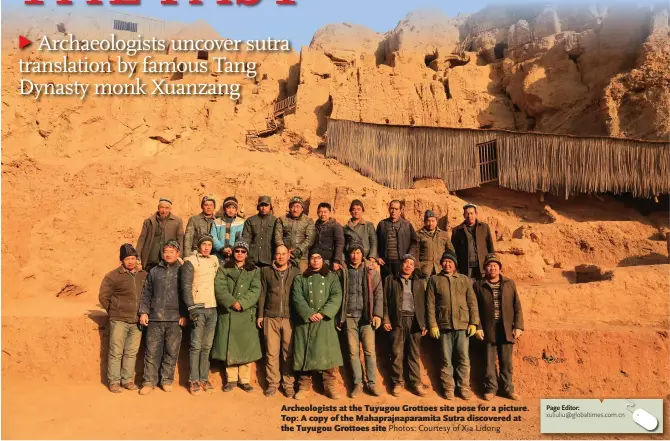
x=197, y=287
x=316, y=297
x=405, y=319
x=361, y=315
x=120, y=293
x=453, y=318
x=237, y=287
x=163, y=312
x=274, y=318
x=502, y=325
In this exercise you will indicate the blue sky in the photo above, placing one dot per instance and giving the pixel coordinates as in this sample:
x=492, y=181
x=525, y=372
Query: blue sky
x=295, y=23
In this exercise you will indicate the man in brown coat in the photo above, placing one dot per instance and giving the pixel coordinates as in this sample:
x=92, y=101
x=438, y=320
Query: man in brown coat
x=157, y=230
x=451, y=309
x=395, y=238
x=472, y=241
x=274, y=318
x=120, y=293
x=433, y=242
x=502, y=324
x=405, y=319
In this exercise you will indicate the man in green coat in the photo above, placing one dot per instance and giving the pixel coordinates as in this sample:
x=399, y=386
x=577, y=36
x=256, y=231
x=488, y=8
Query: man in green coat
x=237, y=288
x=316, y=297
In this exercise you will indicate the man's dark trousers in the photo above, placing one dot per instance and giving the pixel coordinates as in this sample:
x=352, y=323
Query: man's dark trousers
x=504, y=352
x=406, y=339
x=163, y=342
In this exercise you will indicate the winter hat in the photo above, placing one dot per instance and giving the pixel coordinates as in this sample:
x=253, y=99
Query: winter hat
x=296, y=200
x=492, y=258
x=172, y=243
x=264, y=200
x=408, y=256
x=207, y=199
x=230, y=200
x=205, y=238
x=316, y=250
x=469, y=205
x=127, y=250
x=165, y=200
x=450, y=256
x=428, y=214
x=241, y=244
x=355, y=246
x=356, y=202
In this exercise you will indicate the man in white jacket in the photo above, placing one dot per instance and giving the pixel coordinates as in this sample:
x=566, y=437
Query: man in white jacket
x=197, y=288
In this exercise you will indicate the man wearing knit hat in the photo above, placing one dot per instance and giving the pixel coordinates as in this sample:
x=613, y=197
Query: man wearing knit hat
x=472, y=241
x=227, y=229
x=361, y=315
x=199, y=225
x=197, y=288
x=316, y=298
x=452, y=318
x=120, y=293
x=237, y=288
x=502, y=324
x=157, y=230
x=404, y=317
x=433, y=242
x=258, y=233
x=395, y=238
x=163, y=312
x=359, y=230
x=296, y=232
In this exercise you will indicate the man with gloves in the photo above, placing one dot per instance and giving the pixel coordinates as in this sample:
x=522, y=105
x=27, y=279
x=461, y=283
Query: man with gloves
x=237, y=288
x=361, y=315
x=316, y=297
x=197, y=288
x=163, y=312
x=120, y=293
x=296, y=232
x=453, y=318
x=502, y=324
x=199, y=225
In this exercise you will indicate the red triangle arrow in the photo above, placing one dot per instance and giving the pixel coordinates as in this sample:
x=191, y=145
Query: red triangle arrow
x=23, y=42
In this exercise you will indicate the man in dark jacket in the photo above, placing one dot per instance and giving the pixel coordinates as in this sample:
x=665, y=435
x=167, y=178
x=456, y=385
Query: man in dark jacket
x=329, y=237
x=163, y=312
x=157, y=230
x=433, y=242
x=199, y=225
x=361, y=315
x=453, y=317
x=296, y=232
x=120, y=296
x=502, y=324
x=395, y=238
x=274, y=313
x=472, y=241
x=404, y=317
x=258, y=233
x=361, y=231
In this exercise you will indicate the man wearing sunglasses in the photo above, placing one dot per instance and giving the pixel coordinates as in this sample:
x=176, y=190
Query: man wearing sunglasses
x=237, y=288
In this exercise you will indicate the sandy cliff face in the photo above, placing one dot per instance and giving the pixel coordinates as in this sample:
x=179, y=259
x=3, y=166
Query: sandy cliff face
x=572, y=69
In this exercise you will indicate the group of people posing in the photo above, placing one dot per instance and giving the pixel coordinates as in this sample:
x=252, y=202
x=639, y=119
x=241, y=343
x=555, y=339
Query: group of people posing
x=295, y=284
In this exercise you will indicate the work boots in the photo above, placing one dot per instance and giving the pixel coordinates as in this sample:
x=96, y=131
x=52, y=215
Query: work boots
x=356, y=391
x=115, y=388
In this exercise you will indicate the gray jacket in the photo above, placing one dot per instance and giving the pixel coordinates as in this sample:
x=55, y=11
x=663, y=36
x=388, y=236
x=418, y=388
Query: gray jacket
x=364, y=233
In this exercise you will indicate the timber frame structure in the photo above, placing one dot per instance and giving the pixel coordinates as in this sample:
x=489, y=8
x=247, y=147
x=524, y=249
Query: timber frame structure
x=396, y=156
